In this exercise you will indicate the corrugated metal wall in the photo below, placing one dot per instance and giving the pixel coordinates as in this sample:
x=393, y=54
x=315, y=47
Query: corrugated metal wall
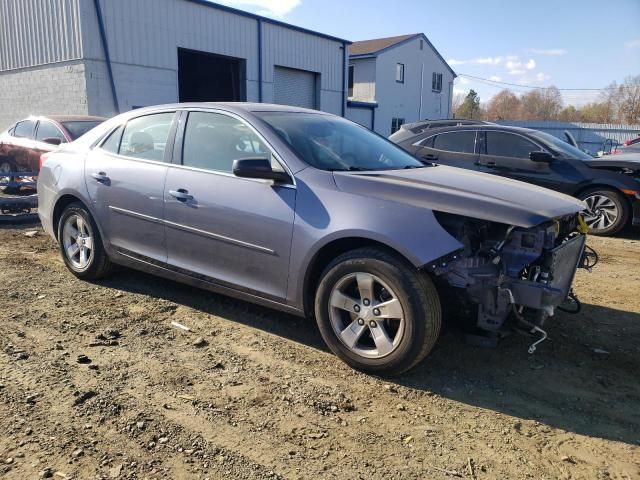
x=590, y=136
x=143, y=37
x=149, y=32
x=37, y=32
x=290, y=48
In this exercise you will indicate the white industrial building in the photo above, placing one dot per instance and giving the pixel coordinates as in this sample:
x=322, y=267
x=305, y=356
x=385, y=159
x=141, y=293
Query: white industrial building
x=397, y=80
x=100, y=57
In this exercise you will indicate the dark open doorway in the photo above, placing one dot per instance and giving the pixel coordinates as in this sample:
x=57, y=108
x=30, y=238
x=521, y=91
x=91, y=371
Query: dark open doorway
x=206, y=77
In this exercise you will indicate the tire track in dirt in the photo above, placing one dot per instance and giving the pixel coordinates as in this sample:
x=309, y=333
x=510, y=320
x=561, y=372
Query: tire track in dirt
x=265, y=399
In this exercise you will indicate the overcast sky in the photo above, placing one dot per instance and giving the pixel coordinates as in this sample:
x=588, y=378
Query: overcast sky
x=566, y=43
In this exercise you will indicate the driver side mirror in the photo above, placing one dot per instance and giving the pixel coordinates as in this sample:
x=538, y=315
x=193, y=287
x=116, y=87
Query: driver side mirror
x=259, y=168
x=541, y=157
x=52, y=140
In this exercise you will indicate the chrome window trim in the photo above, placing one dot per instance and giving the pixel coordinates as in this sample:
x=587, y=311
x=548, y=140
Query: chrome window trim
x=107, y=134
x=420, y=142
x=230, y=175
x=475, y=142
x=519, y=135
x=133, y=159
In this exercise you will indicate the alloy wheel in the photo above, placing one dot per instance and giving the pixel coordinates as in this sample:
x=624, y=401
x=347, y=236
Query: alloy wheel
x=366, y=315
x=77, y=239
x=602, y=212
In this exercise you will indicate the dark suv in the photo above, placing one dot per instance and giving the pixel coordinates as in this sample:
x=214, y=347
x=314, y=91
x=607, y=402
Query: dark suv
x=610, y=188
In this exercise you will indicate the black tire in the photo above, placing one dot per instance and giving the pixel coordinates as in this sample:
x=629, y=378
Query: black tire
x=621, y=204
x=99, y=265
x=417, y=295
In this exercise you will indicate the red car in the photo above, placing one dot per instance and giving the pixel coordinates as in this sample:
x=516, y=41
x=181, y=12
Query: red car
x=22, y=143
x=632, y=141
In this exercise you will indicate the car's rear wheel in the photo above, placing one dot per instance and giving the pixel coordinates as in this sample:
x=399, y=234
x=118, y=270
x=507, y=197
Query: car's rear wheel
x=81, y=245
x=607, y=211
x=376, y=312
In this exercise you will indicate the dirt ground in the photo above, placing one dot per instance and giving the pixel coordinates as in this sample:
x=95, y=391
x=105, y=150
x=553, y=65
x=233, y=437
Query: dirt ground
x=253, y=393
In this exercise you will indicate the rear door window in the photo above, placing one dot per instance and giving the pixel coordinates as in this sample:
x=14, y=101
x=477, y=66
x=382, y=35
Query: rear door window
x=48, y=130
x=112, y=143
x=503, y=144
x=24, y=129
x=461, y=142
x=146, y=137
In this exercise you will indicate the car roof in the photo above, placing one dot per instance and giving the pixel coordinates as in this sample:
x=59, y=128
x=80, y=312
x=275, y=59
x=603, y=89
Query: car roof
x=74, y=118
x=486, y=126
x=230, y=106
x=65, y=118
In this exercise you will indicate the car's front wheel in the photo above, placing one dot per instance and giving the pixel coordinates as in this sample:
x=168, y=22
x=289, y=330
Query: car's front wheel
x=81, y=245
x=607, y=211
x=376, y=312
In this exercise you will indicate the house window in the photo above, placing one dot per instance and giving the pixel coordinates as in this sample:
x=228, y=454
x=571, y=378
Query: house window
x=351, y=73
x=400, y=73
x=421, y=44
x=436, y=82
x=396, y=123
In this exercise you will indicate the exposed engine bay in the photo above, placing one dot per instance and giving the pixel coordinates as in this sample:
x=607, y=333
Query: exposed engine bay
x=514, y=276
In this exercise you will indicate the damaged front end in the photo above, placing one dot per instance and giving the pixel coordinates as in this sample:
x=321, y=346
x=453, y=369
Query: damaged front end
x=512, y=273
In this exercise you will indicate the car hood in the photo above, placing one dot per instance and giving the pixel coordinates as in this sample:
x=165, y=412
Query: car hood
x=462, y=192
x=621, y=160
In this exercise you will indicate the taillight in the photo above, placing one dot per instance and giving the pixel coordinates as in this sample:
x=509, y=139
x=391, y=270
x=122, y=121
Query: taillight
x=43, y=158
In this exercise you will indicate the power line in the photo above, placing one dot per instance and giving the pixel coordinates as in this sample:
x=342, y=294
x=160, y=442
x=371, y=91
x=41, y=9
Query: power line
x=496, y=83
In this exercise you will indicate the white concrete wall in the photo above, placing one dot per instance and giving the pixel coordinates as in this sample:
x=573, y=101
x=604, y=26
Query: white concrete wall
x=402, y=100
x=364, y=80
x=43, y=90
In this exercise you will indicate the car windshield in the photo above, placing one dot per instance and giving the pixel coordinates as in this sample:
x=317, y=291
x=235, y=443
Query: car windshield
x=78, y=128
x=331, y=143
x=561, y=147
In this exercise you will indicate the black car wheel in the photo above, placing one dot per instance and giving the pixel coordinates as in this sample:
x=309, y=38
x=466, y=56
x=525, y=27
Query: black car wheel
x=80, y=244
x=376, y=312
x=607, y=211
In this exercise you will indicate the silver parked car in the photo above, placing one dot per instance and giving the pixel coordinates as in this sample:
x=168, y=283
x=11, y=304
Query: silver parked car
x=309, y=213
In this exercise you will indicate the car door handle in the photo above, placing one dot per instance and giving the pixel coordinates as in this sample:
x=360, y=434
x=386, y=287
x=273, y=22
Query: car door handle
x=488, y=164
x=430, y=156
x=181, y=195
x=100, y=177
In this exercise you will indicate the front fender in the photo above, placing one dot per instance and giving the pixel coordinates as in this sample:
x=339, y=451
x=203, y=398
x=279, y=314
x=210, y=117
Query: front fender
x=326, y=214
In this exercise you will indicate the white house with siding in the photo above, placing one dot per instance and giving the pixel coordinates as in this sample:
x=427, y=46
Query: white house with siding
x=397, y=80
x=101, y=57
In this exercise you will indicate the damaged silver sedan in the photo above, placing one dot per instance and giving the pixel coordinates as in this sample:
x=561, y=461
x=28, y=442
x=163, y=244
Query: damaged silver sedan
x=314, y=215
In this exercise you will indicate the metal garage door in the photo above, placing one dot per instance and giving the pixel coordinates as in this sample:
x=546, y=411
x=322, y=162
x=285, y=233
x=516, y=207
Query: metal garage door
x=295, y=87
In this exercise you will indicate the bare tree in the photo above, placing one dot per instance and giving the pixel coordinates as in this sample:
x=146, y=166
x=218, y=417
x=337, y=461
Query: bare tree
x=541, y=104
x=456, y=102
x=629, y=100
x=504, y=105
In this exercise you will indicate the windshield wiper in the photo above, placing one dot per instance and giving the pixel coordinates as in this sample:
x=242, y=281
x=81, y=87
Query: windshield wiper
x=351, y=169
